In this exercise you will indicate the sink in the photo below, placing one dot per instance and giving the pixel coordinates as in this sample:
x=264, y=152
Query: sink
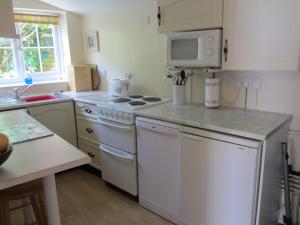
x=40, y=98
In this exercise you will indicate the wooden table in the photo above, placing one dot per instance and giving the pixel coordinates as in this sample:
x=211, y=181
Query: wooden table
x=40, y=158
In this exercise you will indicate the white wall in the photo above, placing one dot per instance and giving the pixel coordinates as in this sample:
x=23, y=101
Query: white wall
x=129, y=44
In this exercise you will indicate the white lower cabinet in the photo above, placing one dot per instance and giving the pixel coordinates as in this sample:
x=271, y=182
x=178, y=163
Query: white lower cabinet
x=218, y=181
x=92, y=150
x=58, y=117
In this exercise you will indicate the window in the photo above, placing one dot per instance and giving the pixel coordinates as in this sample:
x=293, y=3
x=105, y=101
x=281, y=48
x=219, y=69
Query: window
x=37, y=51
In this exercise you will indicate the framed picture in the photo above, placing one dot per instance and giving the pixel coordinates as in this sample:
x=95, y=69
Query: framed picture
x=92, y=41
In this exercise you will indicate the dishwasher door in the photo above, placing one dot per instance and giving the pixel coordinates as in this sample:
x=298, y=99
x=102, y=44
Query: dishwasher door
x=218, y=182
x=158, y=167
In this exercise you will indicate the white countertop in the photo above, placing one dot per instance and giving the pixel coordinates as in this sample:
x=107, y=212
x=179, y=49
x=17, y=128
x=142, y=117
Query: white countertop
x=36, y=158
x=252, y=124
x=18, y=105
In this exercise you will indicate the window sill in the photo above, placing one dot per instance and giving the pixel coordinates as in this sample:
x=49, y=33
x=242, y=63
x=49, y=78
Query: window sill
x=38, y=88
x=18, y=84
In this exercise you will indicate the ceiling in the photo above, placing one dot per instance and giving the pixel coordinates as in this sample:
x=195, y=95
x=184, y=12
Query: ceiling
x=94, y=6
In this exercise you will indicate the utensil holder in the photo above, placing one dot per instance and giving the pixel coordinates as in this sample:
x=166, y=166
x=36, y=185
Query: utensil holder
x=179, y=95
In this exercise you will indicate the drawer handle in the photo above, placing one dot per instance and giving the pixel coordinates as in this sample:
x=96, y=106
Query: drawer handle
x=193, y=137
x=89, y=111
x=116, y=154
x=89, y=130
x=114, y=125
x=90, y=154
x=226, y=49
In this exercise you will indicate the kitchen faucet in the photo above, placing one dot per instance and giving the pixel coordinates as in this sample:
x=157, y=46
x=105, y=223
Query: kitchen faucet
x=17, y=93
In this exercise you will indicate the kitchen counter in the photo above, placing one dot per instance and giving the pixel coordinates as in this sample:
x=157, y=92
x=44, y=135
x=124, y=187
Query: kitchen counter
x=252, y=124
x=39, y=158
x=21, y=104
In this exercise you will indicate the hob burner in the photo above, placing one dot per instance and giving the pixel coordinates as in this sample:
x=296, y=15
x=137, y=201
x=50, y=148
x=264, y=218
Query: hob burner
x=136, y=96
x=152, y=99
x=120, y=100
x=136, y=103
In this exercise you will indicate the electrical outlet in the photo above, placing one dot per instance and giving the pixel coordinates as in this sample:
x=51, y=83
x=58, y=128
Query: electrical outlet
x=233, y=82
x=246, y=82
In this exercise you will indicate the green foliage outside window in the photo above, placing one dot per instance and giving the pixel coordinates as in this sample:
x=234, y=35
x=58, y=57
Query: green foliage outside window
x=38, y=50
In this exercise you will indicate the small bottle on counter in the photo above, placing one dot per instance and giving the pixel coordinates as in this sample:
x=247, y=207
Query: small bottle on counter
x=28, y=78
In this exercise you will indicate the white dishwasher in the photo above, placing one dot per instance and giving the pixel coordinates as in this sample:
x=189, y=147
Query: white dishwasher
x=158, y=167
x=219, y=178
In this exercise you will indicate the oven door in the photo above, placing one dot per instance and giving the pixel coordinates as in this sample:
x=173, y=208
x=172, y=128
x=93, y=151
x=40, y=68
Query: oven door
x=118, y=135
x=119, y=168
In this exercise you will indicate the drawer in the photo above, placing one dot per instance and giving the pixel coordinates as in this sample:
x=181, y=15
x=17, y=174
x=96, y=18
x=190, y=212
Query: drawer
x=88, y=129
x=86, y=110
x=92, y=151
x=119, y=168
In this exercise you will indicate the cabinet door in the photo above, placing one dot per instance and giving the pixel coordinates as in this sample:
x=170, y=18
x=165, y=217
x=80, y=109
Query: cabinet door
x=261, y=35
x=180, y=15
x=58, y=117
x=218, y=182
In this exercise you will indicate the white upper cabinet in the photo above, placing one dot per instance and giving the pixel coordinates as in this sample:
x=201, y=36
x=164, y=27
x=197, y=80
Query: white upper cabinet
x=7, y=24
x=182, y=15
x=261, y=35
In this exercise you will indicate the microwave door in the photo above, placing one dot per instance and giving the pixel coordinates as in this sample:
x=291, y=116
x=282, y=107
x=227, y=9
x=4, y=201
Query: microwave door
x=186, y=50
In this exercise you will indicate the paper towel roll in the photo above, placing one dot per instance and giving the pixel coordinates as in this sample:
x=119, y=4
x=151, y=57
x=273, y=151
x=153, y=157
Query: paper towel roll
x=212, y=93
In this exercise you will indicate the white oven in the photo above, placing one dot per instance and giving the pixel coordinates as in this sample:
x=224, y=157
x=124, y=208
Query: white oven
x=118, y=154
x=197, y=49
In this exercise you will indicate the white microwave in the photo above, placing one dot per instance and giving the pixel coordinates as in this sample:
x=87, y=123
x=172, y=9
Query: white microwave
x=196, y=49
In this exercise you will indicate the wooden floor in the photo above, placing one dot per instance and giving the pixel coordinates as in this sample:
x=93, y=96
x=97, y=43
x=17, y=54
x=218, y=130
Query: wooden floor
x=85, y=200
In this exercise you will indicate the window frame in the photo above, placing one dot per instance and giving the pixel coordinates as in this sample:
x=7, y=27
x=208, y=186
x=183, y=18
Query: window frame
x=19, y=62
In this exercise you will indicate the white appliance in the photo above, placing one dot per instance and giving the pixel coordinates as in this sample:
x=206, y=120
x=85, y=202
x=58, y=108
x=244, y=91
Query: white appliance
x=118, y=139
x=223, y=192
x=118, y=88
x=158, y=167
x=196, y=49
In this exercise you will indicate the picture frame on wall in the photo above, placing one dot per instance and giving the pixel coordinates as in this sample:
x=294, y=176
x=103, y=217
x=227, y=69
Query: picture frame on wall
x=92, y=41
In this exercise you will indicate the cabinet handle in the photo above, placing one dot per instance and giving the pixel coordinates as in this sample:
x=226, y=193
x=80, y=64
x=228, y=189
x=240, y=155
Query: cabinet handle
x=226, y=50
x=91, y=155
x=89, y=111
x=89, y=130
x=159, y=16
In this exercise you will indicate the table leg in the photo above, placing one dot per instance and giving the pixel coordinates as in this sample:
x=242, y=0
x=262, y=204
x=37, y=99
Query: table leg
x=51, y=200
x=27, y=212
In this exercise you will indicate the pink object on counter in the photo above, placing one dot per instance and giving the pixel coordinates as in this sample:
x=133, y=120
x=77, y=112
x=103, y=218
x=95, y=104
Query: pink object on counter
x=40, y=98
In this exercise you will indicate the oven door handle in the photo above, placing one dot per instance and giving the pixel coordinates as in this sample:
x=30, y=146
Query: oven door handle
x=115, y=154
x=114, y=125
